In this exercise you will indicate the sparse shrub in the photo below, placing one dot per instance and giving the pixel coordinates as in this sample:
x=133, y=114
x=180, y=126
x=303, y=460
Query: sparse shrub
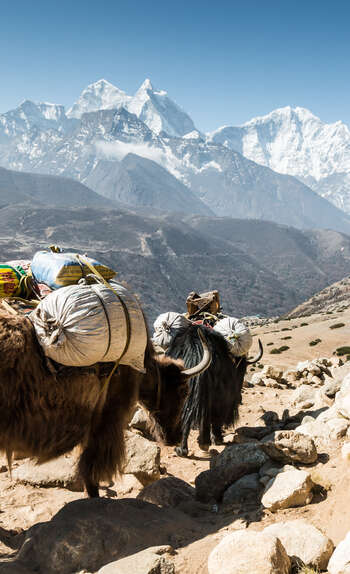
x=286, y=338
x=284, y=348
x=268, y=344
x=337, y=325
x=315, y=342
x=303, y=324
x=329, y=312
x=286, y=329
x=279, y=350
x=342, y=351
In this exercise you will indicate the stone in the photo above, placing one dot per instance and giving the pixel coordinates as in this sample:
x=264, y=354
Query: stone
x=289, y=446
x=249, y=453
x=59, y=472
x=288, y=489
x=272, y=384
x=291, y=376
x=269, y=469
x=150, y=561
x=246, y=488
x=211, y=484
x=270, y=372
x=338, y=428
x=305, y=397
x=258, y=380
x=85, y=535
x=331, y=387
x=340, y=559
x=247, y=552
x=142, y=458
x=303, y=542
x=252, y=432
x=170, y=491
x=140, y=421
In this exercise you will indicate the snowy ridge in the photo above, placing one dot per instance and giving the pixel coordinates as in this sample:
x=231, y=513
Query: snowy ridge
x=296, y=142
x=92, y=147
x=152, y=106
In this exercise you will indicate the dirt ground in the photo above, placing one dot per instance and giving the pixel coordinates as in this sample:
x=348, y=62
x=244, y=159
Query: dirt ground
x=22, y=506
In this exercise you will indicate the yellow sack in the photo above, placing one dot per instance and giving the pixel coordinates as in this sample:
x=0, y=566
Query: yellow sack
x=11, y=281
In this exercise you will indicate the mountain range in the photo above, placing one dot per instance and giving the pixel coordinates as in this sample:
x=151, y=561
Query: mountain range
x=257, y=266
x=144, y=150
x=296, y=142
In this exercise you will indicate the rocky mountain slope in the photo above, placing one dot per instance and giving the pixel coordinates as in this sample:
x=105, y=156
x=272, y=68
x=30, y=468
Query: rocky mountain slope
x=36, y=189
x=88, y=144
x=258, y=267
x=296, y=142
x=333, y=298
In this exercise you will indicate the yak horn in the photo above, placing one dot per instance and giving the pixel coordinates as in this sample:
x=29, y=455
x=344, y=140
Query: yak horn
x=203, y=364
x=261, y=351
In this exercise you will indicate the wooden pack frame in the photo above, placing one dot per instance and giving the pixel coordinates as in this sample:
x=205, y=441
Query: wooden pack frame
x=208, y=302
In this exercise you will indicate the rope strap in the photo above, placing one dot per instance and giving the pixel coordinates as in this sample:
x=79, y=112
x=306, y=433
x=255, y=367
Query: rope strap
x=83, y=260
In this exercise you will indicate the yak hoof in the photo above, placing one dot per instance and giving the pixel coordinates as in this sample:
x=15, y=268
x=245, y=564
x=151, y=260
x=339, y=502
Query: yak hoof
x=204, y=447
x=181, y=451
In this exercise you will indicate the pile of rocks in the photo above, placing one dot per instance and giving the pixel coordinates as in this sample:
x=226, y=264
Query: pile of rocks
x=315, y=372
x=267, y=471
x=275, y=550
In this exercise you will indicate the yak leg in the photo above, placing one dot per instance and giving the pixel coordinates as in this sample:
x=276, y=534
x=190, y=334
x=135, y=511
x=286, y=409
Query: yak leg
x=104, y=453
x=204, y=434
x=216, y=434
x=182, y=450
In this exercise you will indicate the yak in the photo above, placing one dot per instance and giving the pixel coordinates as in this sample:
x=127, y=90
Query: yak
x=215, y=394
x=47, y=409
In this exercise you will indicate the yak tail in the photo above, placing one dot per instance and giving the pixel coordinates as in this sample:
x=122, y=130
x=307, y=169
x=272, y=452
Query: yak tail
x=258, y=357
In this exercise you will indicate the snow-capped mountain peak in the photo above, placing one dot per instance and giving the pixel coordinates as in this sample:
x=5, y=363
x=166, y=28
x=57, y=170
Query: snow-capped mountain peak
x=98, y=96
x=296, y=142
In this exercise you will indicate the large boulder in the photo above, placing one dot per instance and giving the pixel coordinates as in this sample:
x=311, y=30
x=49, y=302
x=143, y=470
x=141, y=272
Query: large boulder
x=288, y=489
x=248, y=552
x=87, y=534
x=246, y=488
x=232, y=455
x=303, y=542
x=142, y=458
x=59, y=472
x=169, y=491
x=342, y=399
x=290, y=447
x=150, y=561
x=340, y=560
x=211, y=484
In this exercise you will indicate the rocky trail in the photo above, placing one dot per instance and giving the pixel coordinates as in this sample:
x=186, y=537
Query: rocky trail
x=273, y=499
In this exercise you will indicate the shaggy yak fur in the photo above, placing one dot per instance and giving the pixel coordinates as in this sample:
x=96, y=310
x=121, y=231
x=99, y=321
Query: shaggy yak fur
x=215, y=395
x=45, y=412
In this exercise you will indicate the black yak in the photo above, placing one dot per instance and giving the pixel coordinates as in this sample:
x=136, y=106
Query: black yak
x=45, y=412
x=215, y=395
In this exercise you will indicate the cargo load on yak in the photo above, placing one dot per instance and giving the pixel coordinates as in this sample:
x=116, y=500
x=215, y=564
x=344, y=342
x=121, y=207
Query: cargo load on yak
x=84, y=324
x=166, y=326
x=85, y=319
x=236, y=333
x=203, y=309
x=58, y=269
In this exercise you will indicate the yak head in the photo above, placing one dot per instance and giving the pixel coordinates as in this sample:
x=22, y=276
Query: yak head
x=164, y=389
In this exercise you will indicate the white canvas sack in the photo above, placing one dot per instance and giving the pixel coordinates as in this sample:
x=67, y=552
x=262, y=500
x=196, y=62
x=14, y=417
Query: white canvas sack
x=236, y=333
x=82, y=324
x=166, y=326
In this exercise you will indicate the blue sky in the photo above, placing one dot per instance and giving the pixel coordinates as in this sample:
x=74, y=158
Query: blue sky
x=223, y=61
